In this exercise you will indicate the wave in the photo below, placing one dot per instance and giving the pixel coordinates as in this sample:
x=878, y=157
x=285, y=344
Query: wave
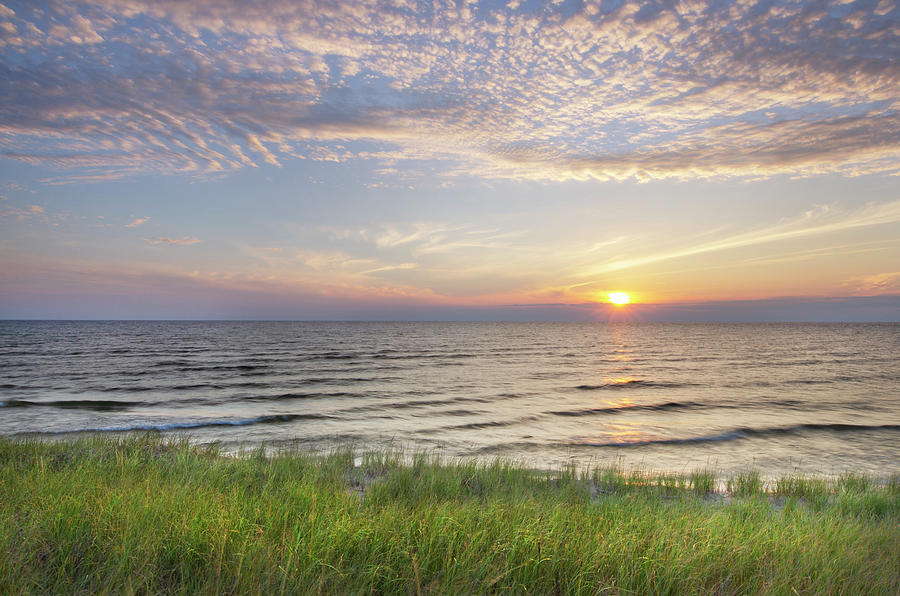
x=114, y=405
x=833, y=427
x=270, y=419
x=726, y=436
x=169, y=363
x=332, y=356
x=26, y=387
x=457, y=412
x=633, y=383
x=339, y=380
x=867, y=378
x=788, y=404
x=132, y=388
x=403, y=405
x=422, y=403
x=744, y=433
x=729, y=435
x=179, y=387
x=296, y=395
x=483, y=425
x=423, y=355
x=418, y=403
x=671, y=405
x=85, y=404
x=193, y=367
x=359, y=367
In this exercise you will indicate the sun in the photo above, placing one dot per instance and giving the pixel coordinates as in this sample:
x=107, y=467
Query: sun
x=619, y=298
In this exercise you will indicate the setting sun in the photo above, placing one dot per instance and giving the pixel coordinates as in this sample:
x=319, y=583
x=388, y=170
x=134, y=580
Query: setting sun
x=619, y=298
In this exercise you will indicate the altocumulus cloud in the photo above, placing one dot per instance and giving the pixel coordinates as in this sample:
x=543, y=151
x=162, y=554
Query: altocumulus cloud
x=586, y=90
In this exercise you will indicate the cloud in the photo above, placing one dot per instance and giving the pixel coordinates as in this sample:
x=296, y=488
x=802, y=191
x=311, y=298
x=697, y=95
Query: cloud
x=401, y=266
x=101, y=290
x=254, y=143
x=391, y=236
x=137, y=222
x=594, y=91
x=426, y=258
x=183, y=241
x=822, y=220
x=879, y=283
x=22, y=214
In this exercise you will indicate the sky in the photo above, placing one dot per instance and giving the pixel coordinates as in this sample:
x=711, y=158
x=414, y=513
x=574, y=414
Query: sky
x=472, y=160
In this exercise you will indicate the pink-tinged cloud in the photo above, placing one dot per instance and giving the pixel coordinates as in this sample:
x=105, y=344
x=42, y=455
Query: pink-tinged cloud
x=552, y=91
x=878, y=283
x=85, y=290
x=22, y=214
x=137, y=222
x=184, y=241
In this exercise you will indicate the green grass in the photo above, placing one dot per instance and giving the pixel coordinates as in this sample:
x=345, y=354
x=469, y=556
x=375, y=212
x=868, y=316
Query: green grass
x=142, y=515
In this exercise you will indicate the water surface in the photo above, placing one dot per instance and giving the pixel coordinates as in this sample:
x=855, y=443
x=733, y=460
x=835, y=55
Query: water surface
x=812, y=398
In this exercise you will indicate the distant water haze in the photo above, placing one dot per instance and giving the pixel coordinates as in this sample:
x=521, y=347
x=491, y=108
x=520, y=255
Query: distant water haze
x=780, y=398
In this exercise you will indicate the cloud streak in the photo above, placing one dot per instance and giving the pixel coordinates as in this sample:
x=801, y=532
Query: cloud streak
x=642, y=91
x=183, y=241
x=823, y=220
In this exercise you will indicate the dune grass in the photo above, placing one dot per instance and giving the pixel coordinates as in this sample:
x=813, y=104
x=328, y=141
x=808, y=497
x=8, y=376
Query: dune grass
x=142, y=515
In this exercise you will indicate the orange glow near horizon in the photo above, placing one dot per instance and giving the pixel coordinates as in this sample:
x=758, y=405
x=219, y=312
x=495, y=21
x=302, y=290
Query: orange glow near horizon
x=619, y=298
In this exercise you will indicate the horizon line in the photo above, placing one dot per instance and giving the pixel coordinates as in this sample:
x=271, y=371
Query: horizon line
x=524, y=321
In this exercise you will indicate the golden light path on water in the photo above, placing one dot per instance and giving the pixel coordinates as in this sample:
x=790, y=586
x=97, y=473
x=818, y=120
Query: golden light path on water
x=780, y=398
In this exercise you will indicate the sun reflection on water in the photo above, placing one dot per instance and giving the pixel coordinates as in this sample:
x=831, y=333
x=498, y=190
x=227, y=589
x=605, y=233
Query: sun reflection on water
x=621, y=404
x=620, y=380
x=624, y=433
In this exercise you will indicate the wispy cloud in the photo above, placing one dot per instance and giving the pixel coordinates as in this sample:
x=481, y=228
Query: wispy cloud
x=400, y=266
x=878, y=283
x=183, y=241
x=822, y=220
x=137, y=222
x=549, y=91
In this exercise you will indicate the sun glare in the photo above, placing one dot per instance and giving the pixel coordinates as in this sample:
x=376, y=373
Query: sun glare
x=619, y=298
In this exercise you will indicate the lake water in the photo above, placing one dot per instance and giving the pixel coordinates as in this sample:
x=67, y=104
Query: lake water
x=810, y=398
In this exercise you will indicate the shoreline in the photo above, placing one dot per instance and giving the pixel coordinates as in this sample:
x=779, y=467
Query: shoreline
x=617, y=460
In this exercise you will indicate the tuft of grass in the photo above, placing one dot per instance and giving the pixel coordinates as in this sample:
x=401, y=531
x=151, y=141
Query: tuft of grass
x=893, y=484
x=853, y=483
x=745, y=484
x=815, y=491
x=152, y=516
x=703, y=482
